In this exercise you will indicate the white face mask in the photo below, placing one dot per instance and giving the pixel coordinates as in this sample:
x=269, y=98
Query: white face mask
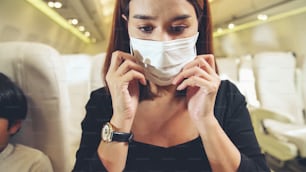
x=163, y=60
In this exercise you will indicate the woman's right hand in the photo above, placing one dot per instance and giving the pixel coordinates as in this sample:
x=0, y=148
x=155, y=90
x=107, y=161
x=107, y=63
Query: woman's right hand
x=122, y=80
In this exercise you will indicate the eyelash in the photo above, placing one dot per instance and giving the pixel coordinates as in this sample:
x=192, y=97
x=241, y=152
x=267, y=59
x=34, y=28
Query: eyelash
x=144, y=29
x=177, y=29
x=173, y=29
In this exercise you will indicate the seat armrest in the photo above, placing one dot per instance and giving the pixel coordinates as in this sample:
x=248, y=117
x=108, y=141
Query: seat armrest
x=288, y=150
x=260, y=114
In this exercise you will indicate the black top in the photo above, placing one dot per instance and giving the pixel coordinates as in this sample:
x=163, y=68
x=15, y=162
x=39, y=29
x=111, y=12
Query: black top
x=230, y=111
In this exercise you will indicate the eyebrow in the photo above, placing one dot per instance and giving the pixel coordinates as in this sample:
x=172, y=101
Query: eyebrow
x=146, y=17
x=181, y=17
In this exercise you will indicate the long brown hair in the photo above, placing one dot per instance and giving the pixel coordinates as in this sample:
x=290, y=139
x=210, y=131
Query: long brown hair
x=119, y=39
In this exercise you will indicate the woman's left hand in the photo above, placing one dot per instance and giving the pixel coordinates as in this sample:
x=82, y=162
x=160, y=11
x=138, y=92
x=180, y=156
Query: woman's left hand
x=202, y=83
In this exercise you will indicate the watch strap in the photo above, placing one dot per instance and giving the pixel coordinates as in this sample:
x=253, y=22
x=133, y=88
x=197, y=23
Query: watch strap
x=122, y=137
x=109, y=135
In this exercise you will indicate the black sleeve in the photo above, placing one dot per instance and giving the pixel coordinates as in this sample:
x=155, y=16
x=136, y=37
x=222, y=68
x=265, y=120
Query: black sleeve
x=98, y=112
x=238, y=126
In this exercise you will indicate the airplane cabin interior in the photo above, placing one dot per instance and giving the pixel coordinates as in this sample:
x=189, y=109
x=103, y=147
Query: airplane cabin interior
x=54, y=50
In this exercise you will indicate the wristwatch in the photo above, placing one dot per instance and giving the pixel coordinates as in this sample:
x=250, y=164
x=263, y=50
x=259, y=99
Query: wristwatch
x=109, y=135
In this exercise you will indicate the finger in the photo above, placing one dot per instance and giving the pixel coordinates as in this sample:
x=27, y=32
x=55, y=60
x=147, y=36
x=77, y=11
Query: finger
x=193, y=81
x=204, y=62
x=128, y=65
x=195, y=71
x=210, y=59
x=132, y=75
x=117, y=58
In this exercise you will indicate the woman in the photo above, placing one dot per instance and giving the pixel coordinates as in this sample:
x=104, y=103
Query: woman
x=165, y=108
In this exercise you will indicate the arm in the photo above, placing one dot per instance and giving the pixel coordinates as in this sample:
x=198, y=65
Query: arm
x=122, y=79
x=98, y=111
x=223, y=148
x=106, y=151
x=221, y=152
x=232, y=146
x=88, y=158
x=202, y=85
x=119, y=108
x=238, y=127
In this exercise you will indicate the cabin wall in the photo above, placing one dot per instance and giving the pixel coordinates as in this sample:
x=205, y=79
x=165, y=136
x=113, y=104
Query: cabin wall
x=286, y=34
x=19, y=21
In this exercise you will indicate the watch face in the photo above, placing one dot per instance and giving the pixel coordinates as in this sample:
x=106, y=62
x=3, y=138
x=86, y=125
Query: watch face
x=107, y=133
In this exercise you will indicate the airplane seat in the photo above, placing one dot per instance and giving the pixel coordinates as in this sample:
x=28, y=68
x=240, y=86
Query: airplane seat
x=36, y=68
x=228, y=68
x=303, y=85
x=278, y=122
x=275, y=76
x=96, y=72
x=83, y=74
x=77, y=69
x=246, y=81
x=240, y=71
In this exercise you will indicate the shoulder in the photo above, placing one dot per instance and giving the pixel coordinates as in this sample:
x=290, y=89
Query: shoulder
x=31, y=155
x=32, y=160
x=228, y=100
x=98, y=98
x=228, y=88
x=98, y=108
x=229, y=93
x=28, y=151
x=100, y=93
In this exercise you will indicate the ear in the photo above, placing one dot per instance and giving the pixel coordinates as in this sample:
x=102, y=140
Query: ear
x=124, y=17
x=15, y=127
x=126, y=20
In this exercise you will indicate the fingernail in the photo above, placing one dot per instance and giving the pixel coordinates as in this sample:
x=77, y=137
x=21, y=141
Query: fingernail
x=179, y=87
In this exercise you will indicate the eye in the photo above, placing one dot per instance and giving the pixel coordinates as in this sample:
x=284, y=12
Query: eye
x=177, y=29
x=146, y=29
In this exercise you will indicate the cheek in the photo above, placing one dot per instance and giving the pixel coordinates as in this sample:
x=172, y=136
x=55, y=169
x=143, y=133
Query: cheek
x=4, y=137
x=130, y=29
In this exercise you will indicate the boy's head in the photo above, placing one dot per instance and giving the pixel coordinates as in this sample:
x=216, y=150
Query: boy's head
x=13, y=109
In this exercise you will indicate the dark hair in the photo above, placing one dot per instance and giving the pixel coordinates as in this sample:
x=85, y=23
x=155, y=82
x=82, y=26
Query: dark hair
x=119, y=39
x=13, y=103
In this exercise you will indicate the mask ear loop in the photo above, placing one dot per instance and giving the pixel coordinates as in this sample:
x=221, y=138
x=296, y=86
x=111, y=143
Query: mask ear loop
x=131, y=49
x=195, y=45
x=139, y=61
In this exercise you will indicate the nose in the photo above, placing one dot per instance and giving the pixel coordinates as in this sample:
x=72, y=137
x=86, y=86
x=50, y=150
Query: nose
x=163, y=36
x=166, y=37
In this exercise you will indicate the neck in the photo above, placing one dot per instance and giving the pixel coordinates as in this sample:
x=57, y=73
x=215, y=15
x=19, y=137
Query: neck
x=163, y=91
x=159, y=111
x=159, y=121
x=2, y=147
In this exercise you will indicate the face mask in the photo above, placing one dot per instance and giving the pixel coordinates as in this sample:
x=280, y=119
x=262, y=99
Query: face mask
x=163, y=60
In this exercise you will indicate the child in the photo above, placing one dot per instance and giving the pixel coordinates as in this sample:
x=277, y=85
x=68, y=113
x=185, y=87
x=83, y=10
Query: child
x=13, y=109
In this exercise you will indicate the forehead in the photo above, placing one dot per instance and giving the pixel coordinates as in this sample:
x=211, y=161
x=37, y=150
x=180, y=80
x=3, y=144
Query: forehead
x=161, y=7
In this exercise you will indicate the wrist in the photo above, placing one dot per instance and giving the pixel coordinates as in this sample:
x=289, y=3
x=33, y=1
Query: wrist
x=109, y=134
x=206, y=124
x=121, y=125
